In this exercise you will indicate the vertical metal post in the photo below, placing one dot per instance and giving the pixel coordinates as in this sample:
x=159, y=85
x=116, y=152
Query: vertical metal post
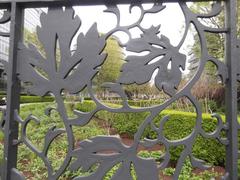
x=231, y=90
x=13, y=91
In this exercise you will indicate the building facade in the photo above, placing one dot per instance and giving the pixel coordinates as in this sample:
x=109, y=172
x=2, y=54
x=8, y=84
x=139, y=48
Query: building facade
x=31, y=21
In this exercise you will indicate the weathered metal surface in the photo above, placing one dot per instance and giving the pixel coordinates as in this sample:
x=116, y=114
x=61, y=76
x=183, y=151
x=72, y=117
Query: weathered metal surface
x=77, y=69
x=231, y=90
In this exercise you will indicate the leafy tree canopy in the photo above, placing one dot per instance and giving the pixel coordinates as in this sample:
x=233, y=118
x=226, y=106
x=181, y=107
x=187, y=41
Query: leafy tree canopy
x=215, y=41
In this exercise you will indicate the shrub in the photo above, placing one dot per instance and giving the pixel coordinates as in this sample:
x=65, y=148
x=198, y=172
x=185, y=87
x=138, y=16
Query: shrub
x=187, y=172
x=2, y=92
x=86, y=106
x=179, y=125
x=33, y=99
x=137, y=103
x=57, y=150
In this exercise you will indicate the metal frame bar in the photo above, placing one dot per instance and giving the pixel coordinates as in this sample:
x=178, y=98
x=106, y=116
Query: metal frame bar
x=231, y=90
x=13, y=92
x=45, y=3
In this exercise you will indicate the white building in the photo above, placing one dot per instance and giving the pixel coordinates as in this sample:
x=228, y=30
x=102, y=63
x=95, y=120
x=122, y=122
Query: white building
x=31, y=21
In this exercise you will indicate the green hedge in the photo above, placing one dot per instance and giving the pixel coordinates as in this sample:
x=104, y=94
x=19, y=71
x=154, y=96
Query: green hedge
x=138, y=103
x=4, y=92
x=33, y=99
x=179, y=125
x=180, y=106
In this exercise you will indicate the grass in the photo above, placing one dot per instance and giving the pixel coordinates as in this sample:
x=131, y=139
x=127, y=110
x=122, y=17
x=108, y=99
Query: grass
x=33, y=167
x=36, y=134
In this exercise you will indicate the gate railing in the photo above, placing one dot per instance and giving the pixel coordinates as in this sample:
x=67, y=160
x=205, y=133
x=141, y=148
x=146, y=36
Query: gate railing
x=76, y=71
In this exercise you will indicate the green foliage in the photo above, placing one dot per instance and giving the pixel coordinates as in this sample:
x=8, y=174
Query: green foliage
x=32, y=165
x=32, y=38
x=150, y=154
x=179, y=125
x=87, y=106
x=3, y=92
x=215, y=42
x=144, y=103
x=206, y=105
x=110, y=70
x=139, y=90
x=126, y=123
x=187, y=173
x=169, y=171
x=33, y=99
x=215, y=47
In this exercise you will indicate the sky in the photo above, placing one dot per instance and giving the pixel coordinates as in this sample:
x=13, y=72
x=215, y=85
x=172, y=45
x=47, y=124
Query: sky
x=171, y=20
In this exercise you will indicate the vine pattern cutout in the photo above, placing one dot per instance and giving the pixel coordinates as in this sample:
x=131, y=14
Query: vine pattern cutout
x=76, y=71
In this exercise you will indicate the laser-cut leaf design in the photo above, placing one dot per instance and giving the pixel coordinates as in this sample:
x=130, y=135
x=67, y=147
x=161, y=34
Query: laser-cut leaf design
x=46, y=74
x=109, y=151
x=163, y=57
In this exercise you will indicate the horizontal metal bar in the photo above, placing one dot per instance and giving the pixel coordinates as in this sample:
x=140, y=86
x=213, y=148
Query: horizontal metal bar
x=4, y=34
x=41, y=3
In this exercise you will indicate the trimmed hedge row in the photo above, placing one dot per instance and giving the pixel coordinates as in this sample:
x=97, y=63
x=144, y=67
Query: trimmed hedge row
x=138, y=103
x=33, y=99
x=179, y=125
x=180, y=106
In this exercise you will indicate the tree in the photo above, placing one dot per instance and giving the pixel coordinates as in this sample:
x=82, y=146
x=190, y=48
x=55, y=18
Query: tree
x=215, y=41
x=110, y=70
x=31, y=37
x=207, y=88
x=139, y=91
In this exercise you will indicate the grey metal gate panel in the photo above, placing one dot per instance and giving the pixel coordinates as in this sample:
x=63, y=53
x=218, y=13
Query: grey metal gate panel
x=23, y=60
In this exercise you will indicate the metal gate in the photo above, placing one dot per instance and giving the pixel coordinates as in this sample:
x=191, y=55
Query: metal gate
x=77, y=69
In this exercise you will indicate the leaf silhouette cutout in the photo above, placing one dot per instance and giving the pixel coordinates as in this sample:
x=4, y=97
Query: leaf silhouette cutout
x=75, y=69
x=109, y=151
x=140, y=69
